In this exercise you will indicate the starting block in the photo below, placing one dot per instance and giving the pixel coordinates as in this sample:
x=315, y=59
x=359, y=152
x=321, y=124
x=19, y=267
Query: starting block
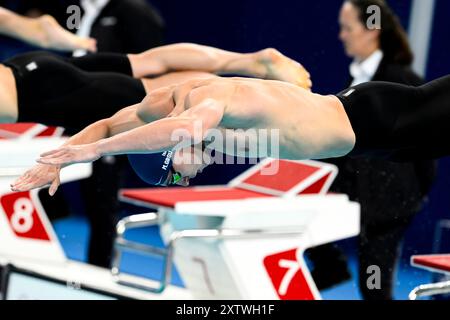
x=244, y=240
x=20, y=146
x=439, y=263
x=35, y=264
x=22, y=143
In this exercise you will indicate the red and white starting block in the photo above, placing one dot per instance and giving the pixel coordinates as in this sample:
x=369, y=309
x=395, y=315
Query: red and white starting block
x=241, y=241
x=439, y=263
x=245, y=240
x=20, y=146
x=22, y=143
x=26, y=131
x=35, y=263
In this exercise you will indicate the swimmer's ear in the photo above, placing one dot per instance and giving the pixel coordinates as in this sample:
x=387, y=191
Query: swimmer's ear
x=183, y=182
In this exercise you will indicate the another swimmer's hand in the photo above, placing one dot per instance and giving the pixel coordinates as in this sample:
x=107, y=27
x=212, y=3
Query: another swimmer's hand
x=71, y=154
x=56, y=37
x=37, y=177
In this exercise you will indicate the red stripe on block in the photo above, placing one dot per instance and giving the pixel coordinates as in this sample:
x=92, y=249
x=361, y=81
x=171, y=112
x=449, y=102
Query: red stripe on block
x=169, y=197
x=289, y=175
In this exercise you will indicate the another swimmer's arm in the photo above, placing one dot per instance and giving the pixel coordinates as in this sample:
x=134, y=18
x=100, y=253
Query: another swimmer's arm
x=43, y=31
x=188, y=56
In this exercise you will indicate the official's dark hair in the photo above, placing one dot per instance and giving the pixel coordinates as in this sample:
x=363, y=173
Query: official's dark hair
x=393, y=39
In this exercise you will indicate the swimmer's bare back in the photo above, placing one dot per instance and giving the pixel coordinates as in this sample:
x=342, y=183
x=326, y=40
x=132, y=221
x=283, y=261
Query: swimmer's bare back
x=311, y=126
x=8, y=96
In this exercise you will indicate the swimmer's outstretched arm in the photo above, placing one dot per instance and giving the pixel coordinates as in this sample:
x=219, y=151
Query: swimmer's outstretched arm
x=266, y=64
x=154, y=107
x=188, y=128
x=42, y=175
x=44, y=32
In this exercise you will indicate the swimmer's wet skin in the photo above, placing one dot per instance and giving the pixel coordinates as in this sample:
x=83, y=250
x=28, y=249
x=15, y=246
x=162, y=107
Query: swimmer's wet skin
x=387, y=120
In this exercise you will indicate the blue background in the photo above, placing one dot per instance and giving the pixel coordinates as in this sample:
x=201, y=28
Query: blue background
x=306, y=31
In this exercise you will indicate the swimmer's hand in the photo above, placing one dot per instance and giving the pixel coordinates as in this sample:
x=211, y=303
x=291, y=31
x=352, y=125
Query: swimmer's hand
x=56, y=37
x=37, y=177
x=71, y=154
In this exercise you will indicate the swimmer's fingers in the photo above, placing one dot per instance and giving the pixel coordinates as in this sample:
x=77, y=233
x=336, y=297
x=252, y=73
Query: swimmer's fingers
x=54, y=186
x=21, y=179
x=25, y=187
x=64, y=159
x=18, y=186
x=30, y=184
x=38, y=176
x=25, y=178
x=54, y=152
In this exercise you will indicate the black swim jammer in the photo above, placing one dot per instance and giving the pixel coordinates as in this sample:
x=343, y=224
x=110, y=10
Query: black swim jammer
x=73, y=92
x=399, y=122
